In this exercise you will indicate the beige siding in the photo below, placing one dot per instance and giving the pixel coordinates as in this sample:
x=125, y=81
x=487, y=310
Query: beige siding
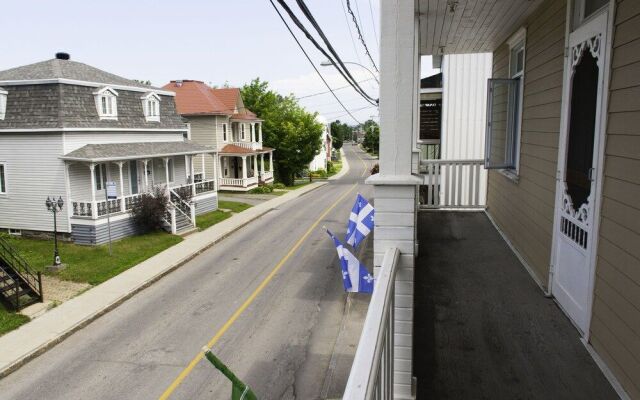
x=524, y=209
x=207, y=130
x=615, y=328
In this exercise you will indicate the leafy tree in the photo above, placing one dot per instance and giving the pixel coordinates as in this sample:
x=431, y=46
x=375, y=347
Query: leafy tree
x=143, y=82
x=293, y=132
x=372, y=136
x=339, y=133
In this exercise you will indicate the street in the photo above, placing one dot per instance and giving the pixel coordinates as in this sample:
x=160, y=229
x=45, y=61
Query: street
x=268, y=298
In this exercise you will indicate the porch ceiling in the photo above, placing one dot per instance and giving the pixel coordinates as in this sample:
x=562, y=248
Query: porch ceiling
x=132, y=151
x=469, y=26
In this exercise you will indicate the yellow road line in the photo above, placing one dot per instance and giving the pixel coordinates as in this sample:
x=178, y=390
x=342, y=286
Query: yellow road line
x=185, y=372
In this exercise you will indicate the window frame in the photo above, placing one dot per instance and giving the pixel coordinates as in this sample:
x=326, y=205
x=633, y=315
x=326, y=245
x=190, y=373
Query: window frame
x=3, y=179
x=3, y=103
x=107, y=103
x=225, y=136
x=100, y=175
x=151, y=106
x=518, y=43
x=242, y=133
x=578, y=17
x=171, y=170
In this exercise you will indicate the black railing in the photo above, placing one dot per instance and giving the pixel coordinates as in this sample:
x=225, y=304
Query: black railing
x=206, y=186
x=16, y=264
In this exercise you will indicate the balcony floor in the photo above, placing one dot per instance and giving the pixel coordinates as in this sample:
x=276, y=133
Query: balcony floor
x=483, y=328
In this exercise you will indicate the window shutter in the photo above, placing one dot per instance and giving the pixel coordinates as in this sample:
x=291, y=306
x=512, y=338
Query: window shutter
x=502, y=111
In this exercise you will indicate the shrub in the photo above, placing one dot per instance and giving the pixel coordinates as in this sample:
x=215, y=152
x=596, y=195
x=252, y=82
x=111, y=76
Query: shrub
x=279, y=185
x=330, y=167
x=150, y=209
x=262, y=189
x=321, y=173
x=375, y=169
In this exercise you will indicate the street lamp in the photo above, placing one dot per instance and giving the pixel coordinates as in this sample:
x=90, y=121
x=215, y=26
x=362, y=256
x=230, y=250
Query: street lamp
x=328, y=63
x=55, y=207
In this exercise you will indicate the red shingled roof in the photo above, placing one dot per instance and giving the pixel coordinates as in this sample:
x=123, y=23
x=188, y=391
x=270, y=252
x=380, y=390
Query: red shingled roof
x=233, y=149
x=194, y=97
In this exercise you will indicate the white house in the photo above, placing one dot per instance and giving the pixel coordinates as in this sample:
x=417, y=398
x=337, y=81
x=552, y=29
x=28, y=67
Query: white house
x=218, y=118
x=324, y=154
x=66, y=129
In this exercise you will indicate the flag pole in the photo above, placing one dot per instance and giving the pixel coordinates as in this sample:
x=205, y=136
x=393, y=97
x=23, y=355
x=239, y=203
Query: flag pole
x=239, y=390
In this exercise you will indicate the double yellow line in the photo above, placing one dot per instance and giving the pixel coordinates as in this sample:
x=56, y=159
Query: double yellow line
x=185, y=372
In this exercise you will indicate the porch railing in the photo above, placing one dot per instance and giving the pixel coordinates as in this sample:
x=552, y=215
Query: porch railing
x=239, y=182
x=114, y=206
x=452, y=184
x=248, y=145
x=205, y=186
x=266, y=175
x=371, y=374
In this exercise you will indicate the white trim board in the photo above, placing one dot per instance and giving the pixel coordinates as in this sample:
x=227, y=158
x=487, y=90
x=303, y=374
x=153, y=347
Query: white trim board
x=84, y=83
x=606, y=371
x=48, y=130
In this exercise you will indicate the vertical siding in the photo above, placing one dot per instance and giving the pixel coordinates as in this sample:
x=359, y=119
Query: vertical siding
x=464, y=109
x=615, y=326
x=524, y=210
x=33, y=172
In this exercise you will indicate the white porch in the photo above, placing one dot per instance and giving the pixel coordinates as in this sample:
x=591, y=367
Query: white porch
x=242, y=172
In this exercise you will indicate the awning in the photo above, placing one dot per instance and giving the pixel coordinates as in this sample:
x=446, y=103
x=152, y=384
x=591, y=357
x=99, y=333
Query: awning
x=235, y=150
x=134, y=151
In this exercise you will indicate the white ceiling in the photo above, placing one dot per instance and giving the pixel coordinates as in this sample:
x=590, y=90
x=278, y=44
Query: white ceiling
x=474, y=26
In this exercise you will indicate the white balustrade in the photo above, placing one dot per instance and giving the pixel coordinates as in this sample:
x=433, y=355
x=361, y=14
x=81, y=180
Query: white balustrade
x=453, y=184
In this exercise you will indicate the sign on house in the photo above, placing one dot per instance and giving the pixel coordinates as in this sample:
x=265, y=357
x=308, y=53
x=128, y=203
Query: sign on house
x=112, y=194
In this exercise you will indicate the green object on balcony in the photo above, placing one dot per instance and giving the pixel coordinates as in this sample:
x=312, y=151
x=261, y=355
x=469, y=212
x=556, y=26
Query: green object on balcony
x=239, y=390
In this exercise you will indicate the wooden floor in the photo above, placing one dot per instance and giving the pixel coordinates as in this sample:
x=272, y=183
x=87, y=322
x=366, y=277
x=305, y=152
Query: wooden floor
x=483, y=329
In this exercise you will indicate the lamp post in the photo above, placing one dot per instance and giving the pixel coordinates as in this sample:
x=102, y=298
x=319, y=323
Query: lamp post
x=328, y=63
x=55, y=207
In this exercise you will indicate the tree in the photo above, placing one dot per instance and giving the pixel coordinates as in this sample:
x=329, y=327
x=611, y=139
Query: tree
x=294, y=133
x=147, y=82
x=339, y=133
x=372, y=136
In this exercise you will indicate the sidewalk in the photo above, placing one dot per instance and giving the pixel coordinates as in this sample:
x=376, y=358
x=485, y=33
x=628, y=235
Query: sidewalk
x=36, y=337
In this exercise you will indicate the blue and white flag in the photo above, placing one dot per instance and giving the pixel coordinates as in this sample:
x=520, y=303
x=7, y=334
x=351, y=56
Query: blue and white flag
x=360, y=221
x=346, y=281
x=355, y=276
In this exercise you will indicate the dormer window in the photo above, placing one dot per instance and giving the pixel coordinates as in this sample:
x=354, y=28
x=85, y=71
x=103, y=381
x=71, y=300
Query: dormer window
x=106, y=103
x=151, y=107
x=3, y=103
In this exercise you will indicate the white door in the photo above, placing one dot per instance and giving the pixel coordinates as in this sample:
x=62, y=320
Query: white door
x=578, y=166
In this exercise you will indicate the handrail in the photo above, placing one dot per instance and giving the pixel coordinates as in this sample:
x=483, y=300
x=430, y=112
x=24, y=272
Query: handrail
x=21, y=267
x=372, y=369
x=440, y=161
x=182, y=205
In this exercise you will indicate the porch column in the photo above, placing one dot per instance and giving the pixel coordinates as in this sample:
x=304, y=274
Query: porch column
x=252, y=130
x=94, y=211
x=120, y=164
x=192, y=172
x=146, y=176
x=166, y=171
x=244, y=170
x=261, y=163
x=259, y=127
x=204, y=176
x=271, y=161
x=255, y=165
x=395, y=187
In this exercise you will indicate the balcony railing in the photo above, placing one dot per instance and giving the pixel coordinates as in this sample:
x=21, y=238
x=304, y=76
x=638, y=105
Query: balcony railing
x=266, y=175
x=452, y=184
x=371, y=374
x=205, y=186
x=239, y=182
x=248, y=145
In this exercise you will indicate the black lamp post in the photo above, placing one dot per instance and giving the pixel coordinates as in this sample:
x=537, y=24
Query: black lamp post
x=55, y=207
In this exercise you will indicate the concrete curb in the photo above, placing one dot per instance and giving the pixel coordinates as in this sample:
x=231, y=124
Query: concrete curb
x=345, y=167
x=36, y=337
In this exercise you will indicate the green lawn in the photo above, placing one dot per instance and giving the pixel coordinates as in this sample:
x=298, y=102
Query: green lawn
x=204, y=221
x=93, y=264
x=10, y=321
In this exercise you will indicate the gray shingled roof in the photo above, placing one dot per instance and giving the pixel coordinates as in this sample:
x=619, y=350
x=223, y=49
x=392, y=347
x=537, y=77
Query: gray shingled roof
x=67, y=69
x=128, y=151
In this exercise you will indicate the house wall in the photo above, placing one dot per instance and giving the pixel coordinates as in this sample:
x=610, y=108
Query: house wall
x=75, y=140
x=615, y=323
x=207, y=130
x=33, y=172
x=524, y=209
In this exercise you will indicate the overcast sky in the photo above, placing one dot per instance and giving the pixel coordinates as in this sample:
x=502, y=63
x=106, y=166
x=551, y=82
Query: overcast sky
x=215, y=41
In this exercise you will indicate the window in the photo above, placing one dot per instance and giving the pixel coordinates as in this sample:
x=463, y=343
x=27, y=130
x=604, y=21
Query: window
x=504, y=112
x=224, y=132
x=151, y=107
x=100, y=172
x=3, y=103
x=242, y=131
x=197, y=177
x=106, y=103
x=583, y=9
x=170, y=168
x=3, y=179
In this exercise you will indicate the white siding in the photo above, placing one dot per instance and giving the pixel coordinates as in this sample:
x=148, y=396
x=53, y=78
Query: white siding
x=33, y=172
x=464, y=97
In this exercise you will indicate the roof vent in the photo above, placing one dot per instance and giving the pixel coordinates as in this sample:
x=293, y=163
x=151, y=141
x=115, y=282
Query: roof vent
x=62, y=56
x=179, y=83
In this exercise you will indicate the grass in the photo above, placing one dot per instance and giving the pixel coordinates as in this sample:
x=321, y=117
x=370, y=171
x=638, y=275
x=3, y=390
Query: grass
x=93, y=264
x=337, y=166
x=9, y=320
x=209, y=219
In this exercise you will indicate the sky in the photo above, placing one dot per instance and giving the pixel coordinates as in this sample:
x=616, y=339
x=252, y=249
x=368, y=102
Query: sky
x=216, y=41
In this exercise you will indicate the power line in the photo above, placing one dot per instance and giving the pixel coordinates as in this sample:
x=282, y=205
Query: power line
x=311, y=62
x=355, y=22
x=352, y=110
x=353, y=41
x=340, y=64
x=373, y=23
x=328, y=91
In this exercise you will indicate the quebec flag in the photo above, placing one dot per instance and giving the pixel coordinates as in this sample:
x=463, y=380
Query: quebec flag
x=360, y=221
x=355, y=276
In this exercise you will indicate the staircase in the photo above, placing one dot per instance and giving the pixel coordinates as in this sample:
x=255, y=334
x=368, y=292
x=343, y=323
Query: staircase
x=180, y=218
x=19, y=285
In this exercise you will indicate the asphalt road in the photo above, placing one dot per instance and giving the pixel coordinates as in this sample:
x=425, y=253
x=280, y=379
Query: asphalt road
x=288, y=340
